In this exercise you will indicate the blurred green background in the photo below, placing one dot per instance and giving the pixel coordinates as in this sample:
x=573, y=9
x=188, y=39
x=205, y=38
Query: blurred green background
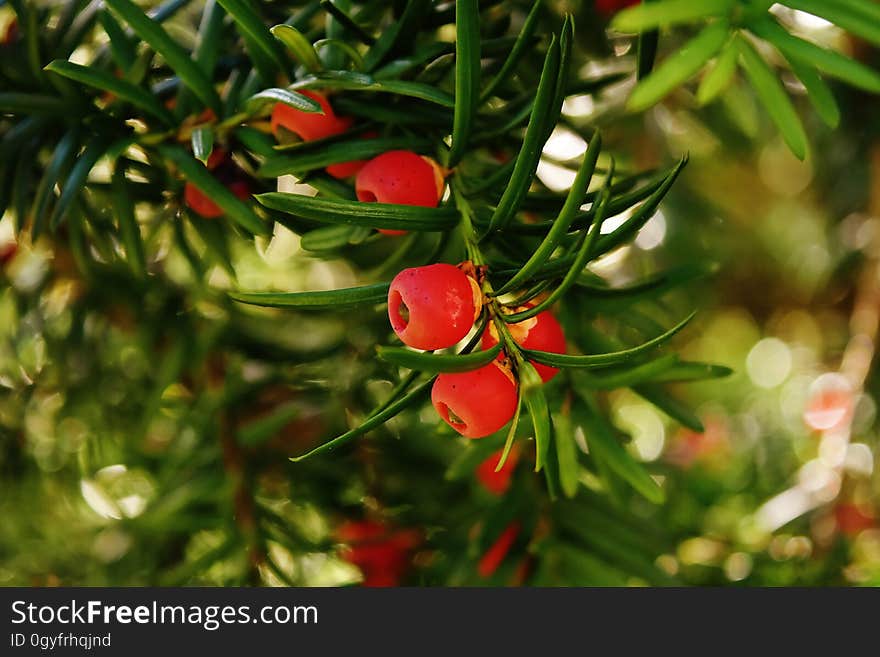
x=125, y=458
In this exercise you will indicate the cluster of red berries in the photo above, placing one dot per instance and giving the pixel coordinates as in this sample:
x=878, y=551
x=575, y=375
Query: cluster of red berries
x=399, y=177
x=383, y=554
x=434, y=307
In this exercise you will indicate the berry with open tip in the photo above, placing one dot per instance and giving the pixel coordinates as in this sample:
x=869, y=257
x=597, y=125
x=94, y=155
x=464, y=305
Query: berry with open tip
x=434, y=306
x=478, y=402
x=401, y=178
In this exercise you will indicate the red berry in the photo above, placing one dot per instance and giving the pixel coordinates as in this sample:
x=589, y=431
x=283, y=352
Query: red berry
x=382, y=554
x=309, y=126
x=608, y=8
x=203, y=206
x=402, y=178
x=476, y=403
x=7, y=252
x=539, y=333
x=492, y=558
x=216, y=158
x=434, y=306
x=498, y=482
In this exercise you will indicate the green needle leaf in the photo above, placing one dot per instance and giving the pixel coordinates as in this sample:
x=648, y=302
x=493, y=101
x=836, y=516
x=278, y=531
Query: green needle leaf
x=303, y=51
x=342, y=299
x=196, y=173
x=275, y=95
x=772, y=94
x=307, y=158
x=250, y=24
x=372, y=215
x=371, y=422
x=530, y=152
x=566, y=454
x=92, y=77
x=353, y=81
x=123, y=210
x=467, y=75
x=434, y=363
x=178, y=59
x=202, y=143
x=679, y=67
x=604, y=446
x=719, y=76
x=560, y=227
x=647, y=16
x=532, y=392
x=520, y=46
x=828, y=61
x=601, y=360
x=860, y=19
x=818, y=92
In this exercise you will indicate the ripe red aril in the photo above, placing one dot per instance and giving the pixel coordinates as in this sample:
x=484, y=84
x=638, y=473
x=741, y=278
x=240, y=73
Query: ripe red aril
x=401, y=178
x=478, y=402
x=495, y=555
x=539, y=333
x=380, y=552
x=308, y=126
x=203, y=206
x=434, y=306
x=498, y=482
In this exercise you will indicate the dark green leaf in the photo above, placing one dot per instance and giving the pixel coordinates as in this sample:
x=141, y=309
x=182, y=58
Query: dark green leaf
x=530, y=152
x=435, y=363
x=669, y=405
x=532, y=392
x=79, y=173
x=600, y=360
x=202, y=139
x=372, y=421
x=307, y=159
x=65, y=151
x=520, y=47
x=299, y=46
x=28, y=104
x=178, y=59
x=828, y=61
x=121, y=46
x=566, y=454
x=467, y=75
x=353, y=81
x=123, y=210
x=560, y=227
x=250, y=24
x=292, y=98
x=678, y=68
x=104, y=81
x=196, y=173
x=603, y=445
x=818, y=92
x=647, y=16
x=343, y=299
x=772, y=94
x=398, y=33
x=628, y=229
x=718, y=77
x=373, y=215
